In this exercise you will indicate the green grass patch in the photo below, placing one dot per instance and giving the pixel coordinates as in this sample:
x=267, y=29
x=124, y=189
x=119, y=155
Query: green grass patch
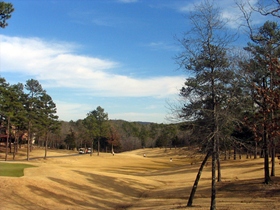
x=13, y=169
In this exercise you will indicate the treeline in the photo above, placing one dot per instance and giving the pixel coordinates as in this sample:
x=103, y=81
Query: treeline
x=124, y=136
x=27, y=113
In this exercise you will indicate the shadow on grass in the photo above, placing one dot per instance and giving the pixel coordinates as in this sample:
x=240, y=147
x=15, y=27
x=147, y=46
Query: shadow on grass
x=230, y=164
x=249, y=188
x=54, y=156
x=161, y=169
x=21, y=202
x=84, y=196
x=122, y=185
x=97, y=190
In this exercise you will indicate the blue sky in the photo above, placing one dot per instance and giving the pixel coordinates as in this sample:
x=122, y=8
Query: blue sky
x=117, y=54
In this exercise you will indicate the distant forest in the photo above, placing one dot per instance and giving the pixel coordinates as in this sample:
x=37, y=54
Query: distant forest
x=129, y=135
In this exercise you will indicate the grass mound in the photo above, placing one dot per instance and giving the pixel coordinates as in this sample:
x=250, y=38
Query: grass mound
x=13, y=169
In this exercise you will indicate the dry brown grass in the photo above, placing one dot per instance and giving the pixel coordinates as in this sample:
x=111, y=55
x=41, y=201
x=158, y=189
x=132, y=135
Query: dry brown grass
x=131, y=181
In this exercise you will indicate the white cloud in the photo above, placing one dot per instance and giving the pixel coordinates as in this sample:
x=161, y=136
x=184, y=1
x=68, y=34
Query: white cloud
x=57, y=64
x=77, y=110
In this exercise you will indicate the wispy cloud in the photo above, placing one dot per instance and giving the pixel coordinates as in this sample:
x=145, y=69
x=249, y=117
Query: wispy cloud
x=163, y=46
x=127, y=1
x=58, y=64
x=102, y=22
x=188, y=7
x=229, y=11
x=98, y=17
x=232, y=14
x=110, y=21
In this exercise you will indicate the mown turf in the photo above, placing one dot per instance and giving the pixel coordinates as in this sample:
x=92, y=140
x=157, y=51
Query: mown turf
x=13, y=169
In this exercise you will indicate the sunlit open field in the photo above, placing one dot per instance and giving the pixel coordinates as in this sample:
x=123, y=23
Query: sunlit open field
x=131, y=181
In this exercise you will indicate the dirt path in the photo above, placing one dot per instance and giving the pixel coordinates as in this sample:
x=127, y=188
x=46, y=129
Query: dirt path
x=131, y=181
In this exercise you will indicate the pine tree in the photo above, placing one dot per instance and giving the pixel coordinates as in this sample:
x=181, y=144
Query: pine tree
x=263, y=69
x=32, y=106
x=5, y=13
x=47, y=117
x=96, y=124
x=208, y=88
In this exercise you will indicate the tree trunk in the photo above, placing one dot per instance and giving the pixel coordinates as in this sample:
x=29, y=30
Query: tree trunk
x=272, y=116
x=10, y=144
x=218, y=161
x=46, y=145
x=91, y=148
x=273, y=159
x=17, y=143
x=219, y=168
x=112, y=149
x=98, y=146
x=265, y=137
x=7, y=140
x=6, y=153
x=15, y=146
x=15, y=149
x=213, y=188
x=197, y=179
x=28, y=139
x=214, y=142
x=266, y=157
x=256, y=150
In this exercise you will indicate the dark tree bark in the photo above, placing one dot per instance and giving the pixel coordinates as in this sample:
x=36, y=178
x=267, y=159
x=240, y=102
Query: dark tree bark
x=7, y=140
x=91, y=148
x=213, y=182
x=15, y=148
x=225, y=157
x=267, y=178
x=219, y=178
x=98, y=146
x=6, y=153
x=197, y=179
x=46, y=145
x=256, y=150
x=273, y=160
x=28, y=140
